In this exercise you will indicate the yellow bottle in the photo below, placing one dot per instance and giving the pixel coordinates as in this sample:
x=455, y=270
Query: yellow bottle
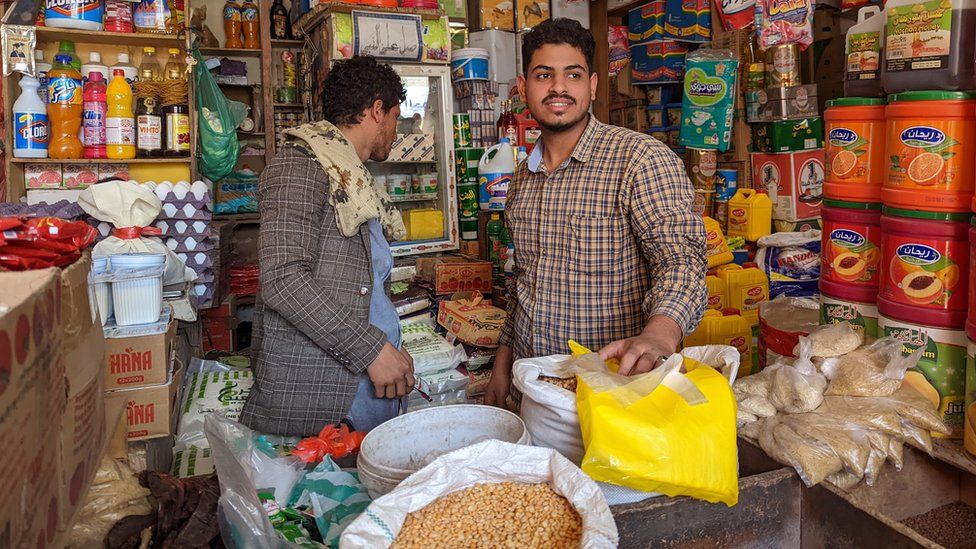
x=747, y=287
x=717, y=292
x=750, y=214
x=726, y=327
x=120, y=123
x=716, y=249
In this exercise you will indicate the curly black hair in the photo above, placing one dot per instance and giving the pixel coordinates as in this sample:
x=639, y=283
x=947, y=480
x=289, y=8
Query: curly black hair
x=354, y=84
x=558, y=31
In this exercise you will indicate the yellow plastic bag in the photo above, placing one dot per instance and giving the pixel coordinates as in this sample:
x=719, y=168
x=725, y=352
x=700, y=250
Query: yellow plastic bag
x=664, y=431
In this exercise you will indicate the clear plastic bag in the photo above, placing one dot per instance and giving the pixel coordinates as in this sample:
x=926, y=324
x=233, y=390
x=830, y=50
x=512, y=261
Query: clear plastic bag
x=218, y=118
x=797, y=387
x=114, y=495
x=834, y=340
x=875, y=370
x=813, y=460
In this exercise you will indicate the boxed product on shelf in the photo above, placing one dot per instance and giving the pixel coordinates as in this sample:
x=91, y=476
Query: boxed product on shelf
x=571, y=9
x=663, y=94
x=500, y=46
x=529, y=13
x=449, y=274
x=793, y=180
x=113, y=171
x=79, y=176
x=788, y=135
x=646, y=23
x=139, y=361
x=471, y=320
x=151, y=412
x=689, y=20
x=417, y=147
x=662, y=61
x=42, y=176
x=790, y=103
x=491, y=14
x=634, y=118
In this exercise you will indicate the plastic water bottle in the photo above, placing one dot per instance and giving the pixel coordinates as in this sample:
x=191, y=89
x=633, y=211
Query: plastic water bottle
x=521, y=156
x=42, y=67
x=120, y=123
x=31, y=127
x=495, y=170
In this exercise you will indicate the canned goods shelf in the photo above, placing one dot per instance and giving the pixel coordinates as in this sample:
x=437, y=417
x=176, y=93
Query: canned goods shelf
x=165, y=160
x=52, y=34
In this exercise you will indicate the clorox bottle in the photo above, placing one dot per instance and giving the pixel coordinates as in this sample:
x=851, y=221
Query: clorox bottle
x=495, y=171
x=30, y=121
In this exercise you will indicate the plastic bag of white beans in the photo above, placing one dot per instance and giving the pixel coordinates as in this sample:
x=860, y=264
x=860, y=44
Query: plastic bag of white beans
x=491, y=461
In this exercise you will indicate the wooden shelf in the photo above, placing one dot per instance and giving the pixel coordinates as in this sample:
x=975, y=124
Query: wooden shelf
x=289, y=105
x=231, y=52
x=285, y=44
x=318, y=13
x=415, y=198
x=953, y=453
x=181, y=159
x=51, y=34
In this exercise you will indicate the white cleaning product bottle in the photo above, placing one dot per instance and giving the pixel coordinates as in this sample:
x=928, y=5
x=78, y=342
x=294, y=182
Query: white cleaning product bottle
x=129, y=71
x=31, y=126
x=41, y=67
x=94, y=64
x=495, y=171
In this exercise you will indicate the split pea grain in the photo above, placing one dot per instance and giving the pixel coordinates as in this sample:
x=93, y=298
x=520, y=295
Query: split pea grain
x=568, y=383
x=505, y=514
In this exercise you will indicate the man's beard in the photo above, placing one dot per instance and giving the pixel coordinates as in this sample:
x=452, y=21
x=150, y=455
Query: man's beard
x=560, y=127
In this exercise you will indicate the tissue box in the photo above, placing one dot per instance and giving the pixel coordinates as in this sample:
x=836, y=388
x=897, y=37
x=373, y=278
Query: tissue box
x=453, y=274
x=471, y=321
x=113, y=171
x=414, y=147
x=42, y=176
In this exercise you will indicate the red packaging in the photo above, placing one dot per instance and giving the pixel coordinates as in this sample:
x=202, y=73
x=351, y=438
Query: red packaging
x=736, y=14
x=118, y=16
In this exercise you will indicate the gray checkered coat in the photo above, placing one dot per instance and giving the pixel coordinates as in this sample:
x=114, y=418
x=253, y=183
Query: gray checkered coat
x=312, y=337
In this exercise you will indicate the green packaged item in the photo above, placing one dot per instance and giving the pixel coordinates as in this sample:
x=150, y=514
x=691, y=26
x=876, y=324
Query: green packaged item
x=708, y=103
x=788, y=135
x=287, y=522
x=333, y=496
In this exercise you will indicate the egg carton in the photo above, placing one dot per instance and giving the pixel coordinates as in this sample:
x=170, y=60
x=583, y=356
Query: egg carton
x=204, y=292
x=62, y=209
x=182, y=227
x=198, y=261
x=189, y=243
x=181, y=192
x=185, y=211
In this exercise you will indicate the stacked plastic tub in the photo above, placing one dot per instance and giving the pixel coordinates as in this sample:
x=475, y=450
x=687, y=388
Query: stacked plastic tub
x=185, y=222
x=128, y=288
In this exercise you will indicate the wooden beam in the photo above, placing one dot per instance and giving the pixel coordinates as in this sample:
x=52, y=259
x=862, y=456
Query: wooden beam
x=601, y=60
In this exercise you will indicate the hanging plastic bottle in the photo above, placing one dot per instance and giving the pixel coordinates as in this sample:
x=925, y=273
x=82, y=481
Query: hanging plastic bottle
x=249, y=25
x=30, y=121
x=74, y=14
x=232, y=25
x=64, y=109
x=94, y=64
x=93, y=116
x=41, y=68
x=120, y=125
x=118, y=16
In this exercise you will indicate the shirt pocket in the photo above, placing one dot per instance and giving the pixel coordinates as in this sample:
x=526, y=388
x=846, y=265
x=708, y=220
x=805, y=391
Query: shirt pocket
x=596, y=243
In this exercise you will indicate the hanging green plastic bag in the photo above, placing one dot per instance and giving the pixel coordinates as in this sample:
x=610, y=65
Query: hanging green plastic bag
x=217, y=120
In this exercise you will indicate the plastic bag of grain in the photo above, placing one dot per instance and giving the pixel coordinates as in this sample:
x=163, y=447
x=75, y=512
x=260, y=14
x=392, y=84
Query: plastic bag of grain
x=491, y=461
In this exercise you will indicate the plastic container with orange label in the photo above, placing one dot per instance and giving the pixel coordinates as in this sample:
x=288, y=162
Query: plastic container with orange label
x=851, y=245
x=931, y=141
x=855, y=149
x=725, y=327
x=750, y=214
x=747, y=287
x=924, y=266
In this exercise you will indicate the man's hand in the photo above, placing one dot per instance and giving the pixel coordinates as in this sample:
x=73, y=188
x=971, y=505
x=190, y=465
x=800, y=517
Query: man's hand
x=501, y=378
x=642, y=353
x=391, y=372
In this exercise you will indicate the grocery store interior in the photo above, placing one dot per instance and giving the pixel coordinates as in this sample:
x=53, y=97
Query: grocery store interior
x=822, y=391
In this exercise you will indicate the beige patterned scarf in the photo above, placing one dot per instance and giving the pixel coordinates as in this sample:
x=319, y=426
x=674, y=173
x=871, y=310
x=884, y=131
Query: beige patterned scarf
x=353, y=195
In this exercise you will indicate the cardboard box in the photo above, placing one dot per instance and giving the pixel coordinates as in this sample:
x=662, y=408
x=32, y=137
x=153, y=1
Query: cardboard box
x=529, y=13
x=43, y=501
x=471, y=320
x=31, y=393
x=788, y=135
x=83, y=438
x=790, y=103
x=151, y=412
x=416, y=147
x=138, y=361
x=794, y=182
x=501, y=50
x=113, y=171
x=42, y=176
x=449, y=274
x=78, y=310
x=646, y=23
x=635, y=118
x=491, y=14
x=79, y=176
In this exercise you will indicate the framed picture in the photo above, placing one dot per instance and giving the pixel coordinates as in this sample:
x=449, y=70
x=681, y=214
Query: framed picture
x=393, y=36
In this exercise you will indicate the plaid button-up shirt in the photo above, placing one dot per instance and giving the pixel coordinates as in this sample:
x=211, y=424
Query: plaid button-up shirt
x=602, y=243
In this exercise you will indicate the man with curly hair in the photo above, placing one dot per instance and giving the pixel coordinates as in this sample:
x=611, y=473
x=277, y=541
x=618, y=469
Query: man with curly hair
x=607, y=249
x=326, y=336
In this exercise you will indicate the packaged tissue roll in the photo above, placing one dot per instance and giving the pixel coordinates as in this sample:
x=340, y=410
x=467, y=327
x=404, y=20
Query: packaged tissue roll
x=709, y=99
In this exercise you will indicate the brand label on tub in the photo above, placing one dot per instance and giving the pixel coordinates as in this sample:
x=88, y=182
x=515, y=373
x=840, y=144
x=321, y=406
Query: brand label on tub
x=922, y=137
x=840, y=137
x=847, y=238
x=917, y=254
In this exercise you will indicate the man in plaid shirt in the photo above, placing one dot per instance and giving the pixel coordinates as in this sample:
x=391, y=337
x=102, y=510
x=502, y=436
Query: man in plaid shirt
x=607, y=249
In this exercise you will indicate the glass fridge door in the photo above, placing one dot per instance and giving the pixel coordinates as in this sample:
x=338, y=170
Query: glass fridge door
x=419, y=174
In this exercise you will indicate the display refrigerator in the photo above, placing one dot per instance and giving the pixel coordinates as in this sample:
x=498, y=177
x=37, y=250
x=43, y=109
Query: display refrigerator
x=419, y=173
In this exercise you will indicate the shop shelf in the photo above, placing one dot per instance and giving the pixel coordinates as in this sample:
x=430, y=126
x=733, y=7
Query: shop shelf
x=181, y=159
x=51, y=34
x=231, y=52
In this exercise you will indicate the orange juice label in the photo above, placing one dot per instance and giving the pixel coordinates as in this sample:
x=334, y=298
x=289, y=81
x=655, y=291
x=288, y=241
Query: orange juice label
x=848, y=152
x=927, y=156
x=923, y=272
x=851, y=253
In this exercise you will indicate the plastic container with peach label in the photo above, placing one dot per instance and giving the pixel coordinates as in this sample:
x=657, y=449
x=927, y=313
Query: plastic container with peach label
x=924, y=266
x=851, y=244
x=855, y=149
x=931, y=141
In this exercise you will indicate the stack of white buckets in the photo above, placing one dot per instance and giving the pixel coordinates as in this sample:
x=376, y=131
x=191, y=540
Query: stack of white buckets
x=128, y=287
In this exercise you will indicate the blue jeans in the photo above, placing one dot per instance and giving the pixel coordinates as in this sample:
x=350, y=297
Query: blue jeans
x=368, y=411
